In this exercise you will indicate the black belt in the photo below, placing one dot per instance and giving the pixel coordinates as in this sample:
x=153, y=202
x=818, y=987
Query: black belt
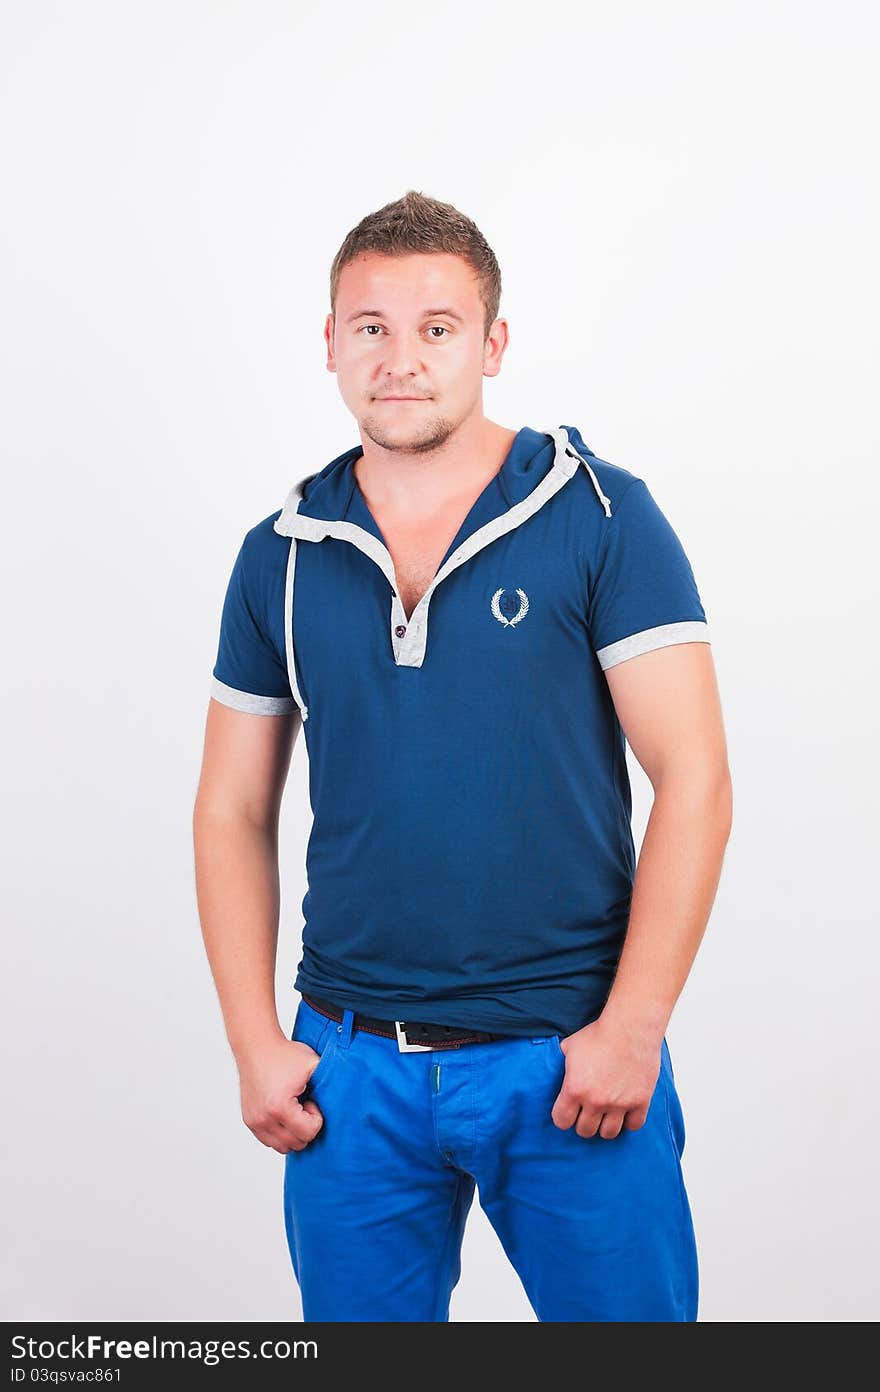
x=410, y=1034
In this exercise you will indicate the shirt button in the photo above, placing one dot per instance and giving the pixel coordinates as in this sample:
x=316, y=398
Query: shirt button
x=400, y=630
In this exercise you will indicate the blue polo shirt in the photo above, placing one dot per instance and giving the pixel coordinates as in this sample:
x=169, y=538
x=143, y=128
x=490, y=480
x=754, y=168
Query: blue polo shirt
x=471, y=858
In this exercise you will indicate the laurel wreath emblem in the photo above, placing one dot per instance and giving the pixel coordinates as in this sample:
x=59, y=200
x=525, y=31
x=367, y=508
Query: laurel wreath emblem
x=518, y=616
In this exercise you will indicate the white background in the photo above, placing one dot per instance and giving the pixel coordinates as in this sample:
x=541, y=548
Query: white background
x=683, y=201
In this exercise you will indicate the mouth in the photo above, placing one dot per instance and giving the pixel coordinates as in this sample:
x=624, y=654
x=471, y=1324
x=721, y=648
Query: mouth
x=402, y=398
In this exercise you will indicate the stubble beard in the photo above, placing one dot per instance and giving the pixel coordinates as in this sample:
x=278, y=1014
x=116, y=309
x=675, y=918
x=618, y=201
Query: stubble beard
x=421, y=438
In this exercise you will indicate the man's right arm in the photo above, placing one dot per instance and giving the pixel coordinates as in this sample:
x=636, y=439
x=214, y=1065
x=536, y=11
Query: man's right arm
x=235, y=833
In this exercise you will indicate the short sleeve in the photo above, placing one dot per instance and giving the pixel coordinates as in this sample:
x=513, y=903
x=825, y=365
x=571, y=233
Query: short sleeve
x=643, y=594
x=250, y=673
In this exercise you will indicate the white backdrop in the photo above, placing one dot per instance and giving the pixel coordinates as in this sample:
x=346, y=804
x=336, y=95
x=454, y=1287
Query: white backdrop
x=684, y=205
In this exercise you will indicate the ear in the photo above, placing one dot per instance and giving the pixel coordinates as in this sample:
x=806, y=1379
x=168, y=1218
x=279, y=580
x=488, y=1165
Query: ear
x=329, y=331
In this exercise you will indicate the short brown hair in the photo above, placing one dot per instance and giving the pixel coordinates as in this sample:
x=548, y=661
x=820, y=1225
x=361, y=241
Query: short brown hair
x=417, y=223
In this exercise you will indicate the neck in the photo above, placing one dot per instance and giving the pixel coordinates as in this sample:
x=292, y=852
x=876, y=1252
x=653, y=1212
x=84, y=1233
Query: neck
x=408, y=481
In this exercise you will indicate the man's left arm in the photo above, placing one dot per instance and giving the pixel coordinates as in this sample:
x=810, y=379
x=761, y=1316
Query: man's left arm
x=669, y=708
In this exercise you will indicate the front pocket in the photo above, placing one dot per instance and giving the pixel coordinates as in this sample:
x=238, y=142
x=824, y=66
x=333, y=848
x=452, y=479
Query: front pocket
x=328, y=1053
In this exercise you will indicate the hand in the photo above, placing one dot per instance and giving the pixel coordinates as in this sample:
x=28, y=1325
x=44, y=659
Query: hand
x=610, y=1076
x=271, y=1080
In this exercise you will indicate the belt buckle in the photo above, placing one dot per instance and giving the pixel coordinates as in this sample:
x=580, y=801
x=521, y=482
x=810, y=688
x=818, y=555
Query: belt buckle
x=403, y=1043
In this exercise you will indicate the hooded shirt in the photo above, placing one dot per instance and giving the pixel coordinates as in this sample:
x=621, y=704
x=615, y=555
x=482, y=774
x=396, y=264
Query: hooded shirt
x=471, y=859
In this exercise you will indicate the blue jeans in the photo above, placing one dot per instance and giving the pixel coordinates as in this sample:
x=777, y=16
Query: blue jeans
x=375, y=1206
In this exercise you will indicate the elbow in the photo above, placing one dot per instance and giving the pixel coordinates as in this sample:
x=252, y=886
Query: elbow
x=717, y=802
x=715, y=795
x=724, y=802
x=706, y=791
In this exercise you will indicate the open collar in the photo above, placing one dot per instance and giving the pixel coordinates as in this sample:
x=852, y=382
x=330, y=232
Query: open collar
x=317, y=504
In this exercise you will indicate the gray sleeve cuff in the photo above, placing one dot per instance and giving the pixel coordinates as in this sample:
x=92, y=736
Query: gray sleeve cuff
x=663, y=636
x=247, y=701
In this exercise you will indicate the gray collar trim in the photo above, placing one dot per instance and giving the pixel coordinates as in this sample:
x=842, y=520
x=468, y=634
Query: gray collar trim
x=409, y=649
x=291, y=522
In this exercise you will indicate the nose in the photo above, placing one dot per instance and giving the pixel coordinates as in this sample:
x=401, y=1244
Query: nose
x=401, y=362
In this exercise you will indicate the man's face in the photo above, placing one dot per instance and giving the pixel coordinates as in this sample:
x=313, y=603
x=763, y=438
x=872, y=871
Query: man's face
x=410, y=327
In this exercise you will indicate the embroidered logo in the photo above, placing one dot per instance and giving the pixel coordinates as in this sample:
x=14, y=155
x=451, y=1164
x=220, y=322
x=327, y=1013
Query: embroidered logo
x=507, y=610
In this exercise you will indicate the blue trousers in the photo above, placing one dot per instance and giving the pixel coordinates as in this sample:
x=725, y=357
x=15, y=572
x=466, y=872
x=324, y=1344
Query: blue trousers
x=375, y=1206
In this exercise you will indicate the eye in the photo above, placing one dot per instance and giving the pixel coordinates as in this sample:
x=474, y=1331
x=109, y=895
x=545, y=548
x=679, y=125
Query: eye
x=442, y=327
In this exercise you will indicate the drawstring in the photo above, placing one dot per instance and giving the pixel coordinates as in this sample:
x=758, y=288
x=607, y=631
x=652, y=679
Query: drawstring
x=606, y=502
x=288, y=629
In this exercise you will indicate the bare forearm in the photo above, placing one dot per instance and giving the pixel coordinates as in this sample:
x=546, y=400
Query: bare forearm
x=676, y=880
x=237, y=886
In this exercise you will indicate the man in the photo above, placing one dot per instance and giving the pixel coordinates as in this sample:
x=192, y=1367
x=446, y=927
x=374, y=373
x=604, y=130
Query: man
x=468, y=622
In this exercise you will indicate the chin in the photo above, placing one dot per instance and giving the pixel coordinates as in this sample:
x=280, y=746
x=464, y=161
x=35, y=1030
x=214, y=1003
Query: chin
x=402, y=435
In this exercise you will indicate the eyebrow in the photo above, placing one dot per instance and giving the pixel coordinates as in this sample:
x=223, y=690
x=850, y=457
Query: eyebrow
x=428, y=314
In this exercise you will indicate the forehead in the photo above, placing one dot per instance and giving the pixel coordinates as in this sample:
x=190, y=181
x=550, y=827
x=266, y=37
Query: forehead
x=408, y=283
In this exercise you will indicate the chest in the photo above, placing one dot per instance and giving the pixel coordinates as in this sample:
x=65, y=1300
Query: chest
x=417, y=551
x=512, y=615
x=500, y=654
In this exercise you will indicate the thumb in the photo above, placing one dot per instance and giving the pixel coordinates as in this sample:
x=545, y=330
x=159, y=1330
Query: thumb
x=314, y=1112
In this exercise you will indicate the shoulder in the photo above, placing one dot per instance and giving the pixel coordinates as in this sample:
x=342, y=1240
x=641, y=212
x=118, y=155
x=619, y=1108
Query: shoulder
x=261, y=564
x=264, y=549
x=602, y=497
x=597, y=479
x=614, y=481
